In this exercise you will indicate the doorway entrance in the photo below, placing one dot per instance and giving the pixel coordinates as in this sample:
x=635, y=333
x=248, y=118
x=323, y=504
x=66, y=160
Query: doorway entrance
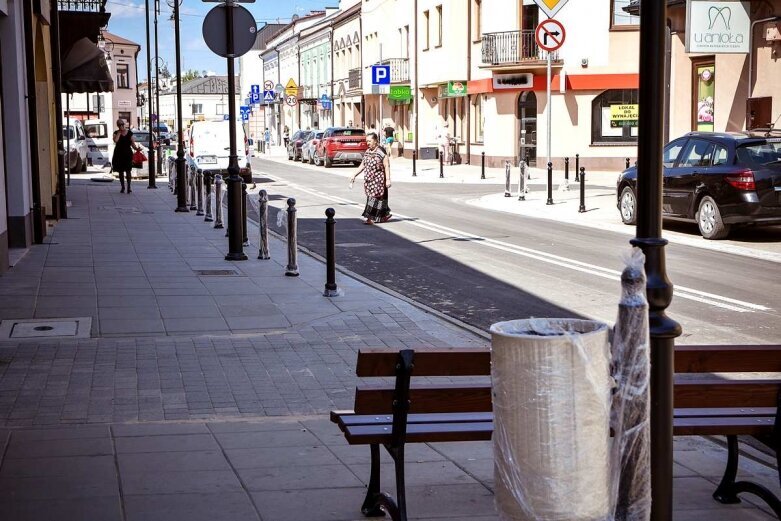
x=759, y=113
x=527, y=123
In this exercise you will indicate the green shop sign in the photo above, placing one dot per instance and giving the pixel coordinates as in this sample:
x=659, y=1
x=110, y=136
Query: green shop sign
x=456, y=88
x=400, y=93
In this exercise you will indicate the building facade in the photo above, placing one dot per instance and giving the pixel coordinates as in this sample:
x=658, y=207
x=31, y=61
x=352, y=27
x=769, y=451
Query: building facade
x=203, y=99
x=347, y=65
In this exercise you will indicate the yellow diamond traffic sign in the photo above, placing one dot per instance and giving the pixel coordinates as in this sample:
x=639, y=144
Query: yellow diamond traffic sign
x=291, y=89
x=550, y=7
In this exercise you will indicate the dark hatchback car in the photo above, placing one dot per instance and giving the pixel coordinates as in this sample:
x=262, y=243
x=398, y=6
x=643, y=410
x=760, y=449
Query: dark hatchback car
x=716, y=180
x=297, y=140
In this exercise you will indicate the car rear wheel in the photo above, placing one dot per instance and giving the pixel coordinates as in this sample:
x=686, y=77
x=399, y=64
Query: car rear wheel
x=709, y=220
x=311, y=158
x=328, y=162
x=627, y=205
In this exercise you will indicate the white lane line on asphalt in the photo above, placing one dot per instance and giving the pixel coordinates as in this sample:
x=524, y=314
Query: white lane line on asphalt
x=695, y=295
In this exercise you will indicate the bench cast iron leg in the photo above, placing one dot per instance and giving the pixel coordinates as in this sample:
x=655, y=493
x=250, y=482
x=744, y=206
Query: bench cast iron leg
x=728, y=490
x=401, y=491
x=371, y=506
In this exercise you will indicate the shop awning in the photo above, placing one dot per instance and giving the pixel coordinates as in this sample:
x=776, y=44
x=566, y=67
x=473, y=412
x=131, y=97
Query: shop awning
x=84, y=69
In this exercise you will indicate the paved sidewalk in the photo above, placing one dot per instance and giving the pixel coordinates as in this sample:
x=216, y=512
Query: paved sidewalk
x=203, y=397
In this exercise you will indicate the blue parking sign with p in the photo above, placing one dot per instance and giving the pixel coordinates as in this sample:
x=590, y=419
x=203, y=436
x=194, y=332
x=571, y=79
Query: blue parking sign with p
x=381, y=75
x=254, y=97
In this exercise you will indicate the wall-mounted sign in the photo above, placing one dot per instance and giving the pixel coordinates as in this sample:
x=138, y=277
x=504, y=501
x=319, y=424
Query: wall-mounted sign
x=400, y=93
x=523, y=80
x=452, y=89
x=624, y=115
x=718, y=26
x=123, y=103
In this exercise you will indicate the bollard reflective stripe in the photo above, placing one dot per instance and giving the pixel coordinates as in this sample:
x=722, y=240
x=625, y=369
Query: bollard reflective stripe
x=292, y=240
x=208, y=182
x=582, y=190
x=550, y=184
x=330, y=255
x=263, y=252
x=218, y=190
x=199, y=190
x=507, y=179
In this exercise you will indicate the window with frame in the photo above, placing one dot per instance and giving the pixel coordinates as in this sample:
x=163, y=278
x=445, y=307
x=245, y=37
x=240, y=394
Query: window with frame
x=439, y=26
x=478, y=102
x=197, y=108
x=620, y=19
x=606, y=126
x=426, y=30
x=123, y=76
x=477, y=13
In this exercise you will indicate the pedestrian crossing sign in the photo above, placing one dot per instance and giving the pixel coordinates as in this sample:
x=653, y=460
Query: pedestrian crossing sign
x=268, y=96
x=550, y=7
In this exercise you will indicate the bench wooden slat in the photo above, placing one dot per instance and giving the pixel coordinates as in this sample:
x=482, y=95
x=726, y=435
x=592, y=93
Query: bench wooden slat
x=728, y=359
x=382, y=419
x=730, y=393
x=708, y=412
x=428, y=362
x=421, y=432
x=426, y=398
x=745, y=425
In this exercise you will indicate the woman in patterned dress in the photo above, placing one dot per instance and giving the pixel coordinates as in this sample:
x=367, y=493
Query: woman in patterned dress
x=376, y=181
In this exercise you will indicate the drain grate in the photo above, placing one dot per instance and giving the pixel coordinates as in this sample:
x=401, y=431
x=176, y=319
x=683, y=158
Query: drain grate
x=48, y=328
x=216, y=273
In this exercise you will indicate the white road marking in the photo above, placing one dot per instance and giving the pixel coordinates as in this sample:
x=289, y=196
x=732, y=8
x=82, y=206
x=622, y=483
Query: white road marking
x=703, y=297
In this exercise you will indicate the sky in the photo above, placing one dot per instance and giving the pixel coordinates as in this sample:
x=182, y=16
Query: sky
x=127, y=21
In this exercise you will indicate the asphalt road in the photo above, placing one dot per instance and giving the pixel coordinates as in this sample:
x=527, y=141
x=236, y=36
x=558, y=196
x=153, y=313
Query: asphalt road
x=482, y=266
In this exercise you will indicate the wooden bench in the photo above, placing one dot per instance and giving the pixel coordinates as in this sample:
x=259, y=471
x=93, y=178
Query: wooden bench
x=394, y=415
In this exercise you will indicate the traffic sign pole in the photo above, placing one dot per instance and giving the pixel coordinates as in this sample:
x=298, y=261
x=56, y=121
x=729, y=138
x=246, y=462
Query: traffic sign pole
x=549, y=109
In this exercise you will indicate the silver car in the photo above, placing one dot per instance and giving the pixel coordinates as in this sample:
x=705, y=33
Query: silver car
x=309, y=146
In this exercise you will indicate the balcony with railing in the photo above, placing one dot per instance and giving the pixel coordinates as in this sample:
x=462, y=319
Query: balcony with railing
x=512, y=48
x=82, y=6
x=399, y=69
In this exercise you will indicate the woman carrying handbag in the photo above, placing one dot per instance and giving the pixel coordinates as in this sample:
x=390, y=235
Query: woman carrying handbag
x=123, y=158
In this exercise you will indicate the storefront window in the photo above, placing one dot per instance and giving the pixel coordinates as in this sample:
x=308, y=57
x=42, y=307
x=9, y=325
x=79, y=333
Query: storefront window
x=614, y=116
x=704, y=93
x=478, y=103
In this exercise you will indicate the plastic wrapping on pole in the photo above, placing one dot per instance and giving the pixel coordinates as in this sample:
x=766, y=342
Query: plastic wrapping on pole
x=414, y=163
x=482, y=165
x=507, y=179
x=577, y=168
x=199, y=190
x=630, y=415
x=292, y=240
x=208, y=182
x=330, y=254
x=181, y=185
x=218, y=182
x=244, y=238
x=191, y=184
x=263, y=252
x=522, y=182
x=550, y=184
x=582, y=190
x=551, y=401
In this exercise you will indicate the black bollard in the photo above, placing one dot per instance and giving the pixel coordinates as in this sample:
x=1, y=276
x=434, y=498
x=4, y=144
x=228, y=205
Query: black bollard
x=582, y=190
x=292, y=240
x=244, y=238
x=199, y=190
x=550, y=184
x=218, y=189
x=566, y=169
x=522, y=182
x=414, y=163
x=577, y=167
x=441, y=165
x=507, y=179
x=482, y=165
x=263, y=252
x=627, y=163
x=208, y=183
x=330, y=255
x=191, y=183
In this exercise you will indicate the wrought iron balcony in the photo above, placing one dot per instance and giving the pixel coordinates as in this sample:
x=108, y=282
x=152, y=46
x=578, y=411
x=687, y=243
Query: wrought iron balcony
x=354, y=79
x=399, y=69
x=512, y=47
x=82, y=6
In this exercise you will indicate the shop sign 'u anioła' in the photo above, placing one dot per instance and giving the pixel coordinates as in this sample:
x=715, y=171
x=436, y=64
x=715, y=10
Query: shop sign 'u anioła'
x=550, y=7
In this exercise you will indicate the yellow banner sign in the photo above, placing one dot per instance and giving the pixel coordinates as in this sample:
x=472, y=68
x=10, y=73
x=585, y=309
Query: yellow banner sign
x=624, y=112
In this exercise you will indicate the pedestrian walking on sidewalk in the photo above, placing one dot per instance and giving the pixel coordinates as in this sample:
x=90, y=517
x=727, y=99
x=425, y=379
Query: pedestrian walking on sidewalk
x=376, y=181
x=122, y=160
x=267, y=139
x=286, y=136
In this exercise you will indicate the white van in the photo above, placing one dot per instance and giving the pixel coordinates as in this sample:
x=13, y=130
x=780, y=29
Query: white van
x=73, y=135
x=99, y=141
x=208, y=147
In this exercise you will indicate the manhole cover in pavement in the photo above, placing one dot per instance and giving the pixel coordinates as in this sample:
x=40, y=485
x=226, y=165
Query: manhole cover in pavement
x=354, y=244
x=215, y=273
x=48, y=328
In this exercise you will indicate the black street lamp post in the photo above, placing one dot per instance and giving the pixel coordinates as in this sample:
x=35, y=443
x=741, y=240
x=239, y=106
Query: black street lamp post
x=152, y=171
x=157, y=90
x=181, y=176
x=235, y=227
x=659, y=289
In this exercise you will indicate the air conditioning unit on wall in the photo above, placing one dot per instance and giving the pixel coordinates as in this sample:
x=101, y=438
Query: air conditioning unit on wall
x=773, y=32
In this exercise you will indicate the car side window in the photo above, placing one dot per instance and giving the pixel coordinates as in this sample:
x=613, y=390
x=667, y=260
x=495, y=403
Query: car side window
x=720, y=155
x=698, y=153
x=671, y=153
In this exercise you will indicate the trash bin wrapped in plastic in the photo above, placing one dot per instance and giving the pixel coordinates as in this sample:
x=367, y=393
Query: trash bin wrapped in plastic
x=630, y=417
x=551, y=400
